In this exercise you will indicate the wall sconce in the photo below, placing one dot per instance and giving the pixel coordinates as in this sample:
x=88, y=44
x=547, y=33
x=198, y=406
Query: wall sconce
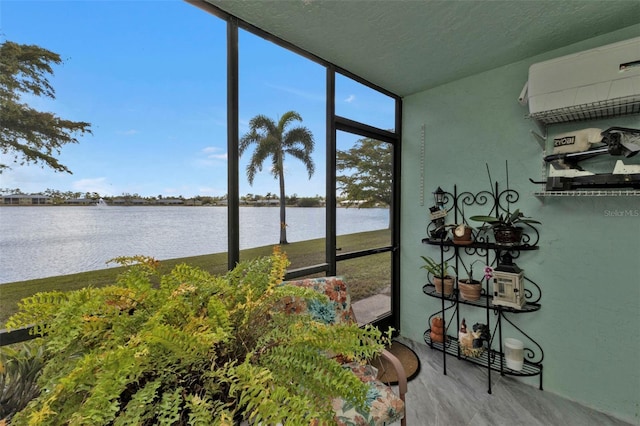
x=508, y=284
x=438, y=196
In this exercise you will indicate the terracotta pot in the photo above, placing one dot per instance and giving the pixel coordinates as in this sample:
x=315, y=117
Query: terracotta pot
x=507, y=235
x=470, y=290
x=448, y=285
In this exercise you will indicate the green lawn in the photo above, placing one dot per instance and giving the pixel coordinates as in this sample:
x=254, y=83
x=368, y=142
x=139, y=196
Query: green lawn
x=365, y=276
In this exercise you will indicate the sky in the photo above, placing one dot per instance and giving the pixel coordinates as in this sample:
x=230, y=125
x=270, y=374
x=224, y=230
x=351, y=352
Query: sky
x=150, y=77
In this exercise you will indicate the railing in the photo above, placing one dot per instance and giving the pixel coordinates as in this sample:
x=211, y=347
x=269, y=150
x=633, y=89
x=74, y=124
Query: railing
x=16, y=336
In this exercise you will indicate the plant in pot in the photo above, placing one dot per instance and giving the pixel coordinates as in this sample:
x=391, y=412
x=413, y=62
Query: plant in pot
x=470, y=288
x=505, y=229
x=442, y=278
x=188, y=347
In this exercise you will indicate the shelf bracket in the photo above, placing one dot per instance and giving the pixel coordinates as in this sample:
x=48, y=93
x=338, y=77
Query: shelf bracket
x=542, y=141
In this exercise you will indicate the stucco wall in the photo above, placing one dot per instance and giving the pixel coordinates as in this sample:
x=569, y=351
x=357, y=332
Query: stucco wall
x=588, y=264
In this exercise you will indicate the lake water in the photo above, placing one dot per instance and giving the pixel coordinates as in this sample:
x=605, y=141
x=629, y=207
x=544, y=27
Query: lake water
x=38, y=242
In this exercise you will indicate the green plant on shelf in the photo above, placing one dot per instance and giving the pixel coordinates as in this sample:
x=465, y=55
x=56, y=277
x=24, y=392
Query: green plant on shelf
x=437, y=269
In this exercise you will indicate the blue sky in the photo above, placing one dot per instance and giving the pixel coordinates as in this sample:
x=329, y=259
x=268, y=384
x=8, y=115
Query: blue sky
x=150, y=76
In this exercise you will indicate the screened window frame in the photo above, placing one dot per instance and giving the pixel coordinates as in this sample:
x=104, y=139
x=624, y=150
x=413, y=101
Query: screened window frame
x=334, y=124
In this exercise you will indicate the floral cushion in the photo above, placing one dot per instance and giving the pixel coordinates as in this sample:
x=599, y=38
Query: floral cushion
x=337, y=310
x=383, y=406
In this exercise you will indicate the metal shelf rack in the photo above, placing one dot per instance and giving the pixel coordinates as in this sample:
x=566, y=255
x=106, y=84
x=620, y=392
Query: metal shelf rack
x=493, y=358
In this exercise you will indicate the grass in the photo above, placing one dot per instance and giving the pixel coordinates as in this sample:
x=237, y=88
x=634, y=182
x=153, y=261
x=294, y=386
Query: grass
x=365, y=276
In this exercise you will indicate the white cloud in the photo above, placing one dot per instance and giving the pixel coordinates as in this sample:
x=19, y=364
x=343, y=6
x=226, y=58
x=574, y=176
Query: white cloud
x=350, y=99
x=215, y=153
x=98, y=185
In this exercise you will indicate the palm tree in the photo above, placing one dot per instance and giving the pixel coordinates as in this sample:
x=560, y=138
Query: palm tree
x=273, y=142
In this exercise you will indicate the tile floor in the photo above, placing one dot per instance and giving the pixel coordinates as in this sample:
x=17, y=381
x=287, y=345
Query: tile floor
x=460, y=398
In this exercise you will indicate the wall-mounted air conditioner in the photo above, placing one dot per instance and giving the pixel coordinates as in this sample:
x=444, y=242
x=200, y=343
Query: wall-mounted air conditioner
x=596, y=83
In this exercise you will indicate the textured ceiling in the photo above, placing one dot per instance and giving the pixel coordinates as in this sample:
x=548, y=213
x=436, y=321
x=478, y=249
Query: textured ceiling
x=409, y=46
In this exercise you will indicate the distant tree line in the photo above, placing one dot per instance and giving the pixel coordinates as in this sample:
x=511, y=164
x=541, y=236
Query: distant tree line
x=63, y=197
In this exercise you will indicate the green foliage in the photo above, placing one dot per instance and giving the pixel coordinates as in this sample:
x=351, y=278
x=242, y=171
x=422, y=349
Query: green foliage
x=28, y=135
x=368, y=176
x=508, y=219
x=435, y=268
x=309, y=202
x=193, y=348
x=273, y=143
x=19, y=370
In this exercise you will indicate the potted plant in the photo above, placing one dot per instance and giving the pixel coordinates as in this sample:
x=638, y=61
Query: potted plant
x=187, y=347
x=470, y=288
x=505, y=229
x=441, y=275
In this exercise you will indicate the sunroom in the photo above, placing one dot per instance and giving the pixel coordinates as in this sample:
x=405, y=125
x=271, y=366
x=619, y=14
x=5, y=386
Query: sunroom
x=452, y=84
x=456, y=71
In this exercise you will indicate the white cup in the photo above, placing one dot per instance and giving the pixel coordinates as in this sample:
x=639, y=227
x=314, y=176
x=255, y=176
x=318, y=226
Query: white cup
x=514, y=353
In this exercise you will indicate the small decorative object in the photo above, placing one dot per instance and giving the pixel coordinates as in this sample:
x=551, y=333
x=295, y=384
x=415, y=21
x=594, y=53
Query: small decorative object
x=437, y=215
x=437, y=330
x=508, y=284
x=442, y=280
x=462, y=234
x=472, y=343
x=514, y=353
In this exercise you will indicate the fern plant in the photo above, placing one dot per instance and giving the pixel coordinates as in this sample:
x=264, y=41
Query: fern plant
x=188, y=347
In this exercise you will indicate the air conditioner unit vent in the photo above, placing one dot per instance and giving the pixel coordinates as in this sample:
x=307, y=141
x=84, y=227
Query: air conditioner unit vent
x=597, y=83
x=596, y=110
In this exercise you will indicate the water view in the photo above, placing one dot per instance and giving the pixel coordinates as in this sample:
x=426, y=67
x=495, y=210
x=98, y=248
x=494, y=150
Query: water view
x=49, y=241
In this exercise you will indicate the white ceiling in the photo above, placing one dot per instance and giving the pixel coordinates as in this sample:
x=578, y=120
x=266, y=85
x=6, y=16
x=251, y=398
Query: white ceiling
x=408, y=46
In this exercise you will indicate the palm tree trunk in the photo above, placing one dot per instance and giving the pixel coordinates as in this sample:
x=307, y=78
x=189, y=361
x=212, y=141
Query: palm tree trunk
x=283, y=218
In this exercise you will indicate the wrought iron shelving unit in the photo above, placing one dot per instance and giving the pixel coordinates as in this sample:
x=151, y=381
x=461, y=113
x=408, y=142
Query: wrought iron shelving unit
x=493, y=359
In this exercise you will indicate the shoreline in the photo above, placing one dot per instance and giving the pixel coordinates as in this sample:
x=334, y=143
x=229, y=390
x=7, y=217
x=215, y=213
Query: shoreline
x=301, y=254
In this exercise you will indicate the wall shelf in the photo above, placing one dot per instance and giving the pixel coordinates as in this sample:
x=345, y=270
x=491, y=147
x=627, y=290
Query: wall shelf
x=590, y=193
x=430, y=290
x=494, y=359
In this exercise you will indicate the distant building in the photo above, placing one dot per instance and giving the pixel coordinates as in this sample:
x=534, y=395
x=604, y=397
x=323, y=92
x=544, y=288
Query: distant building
x=80, y=201
x=26, y=200
x=170, y=201
x=128, y=201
